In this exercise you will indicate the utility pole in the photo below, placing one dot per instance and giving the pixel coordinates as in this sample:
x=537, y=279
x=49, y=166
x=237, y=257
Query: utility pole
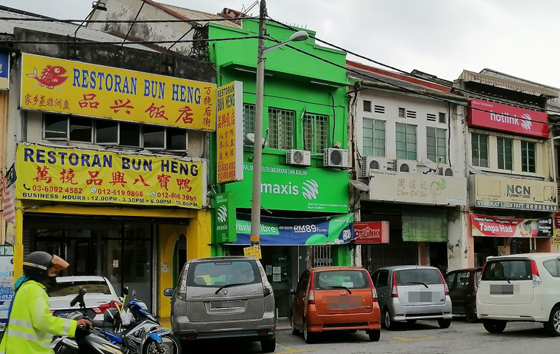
x=257, y=156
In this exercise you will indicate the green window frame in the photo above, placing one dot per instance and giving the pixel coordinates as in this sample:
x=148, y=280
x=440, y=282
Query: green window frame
x=528, y=156
x=406, y=141
x=281, y=123
x=505, y=154
x=374, y=137
x=436, y=139
x=479, y=149
x=249, y=111
x=315, y=132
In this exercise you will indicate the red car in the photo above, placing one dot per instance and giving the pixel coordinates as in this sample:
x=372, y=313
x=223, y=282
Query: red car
x=335, y=299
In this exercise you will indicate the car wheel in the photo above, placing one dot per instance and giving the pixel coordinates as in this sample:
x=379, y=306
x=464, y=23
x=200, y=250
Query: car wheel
x=308, y=337
x=470, y=313
x=268, y=346
x=295, y=331
x=494, y=326
x=443, y=323
x=387, y=321
x=553, y=324
x=374, y=335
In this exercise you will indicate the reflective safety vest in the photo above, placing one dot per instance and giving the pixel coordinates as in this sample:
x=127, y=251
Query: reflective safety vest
x=31, y=324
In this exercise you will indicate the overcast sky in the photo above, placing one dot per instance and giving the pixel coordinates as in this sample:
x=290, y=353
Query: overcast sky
x=441, y=37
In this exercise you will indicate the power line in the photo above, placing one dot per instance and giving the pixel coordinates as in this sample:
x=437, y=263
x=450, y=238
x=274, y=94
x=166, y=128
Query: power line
x=408, y=89
x=496, y=99
x=131, y=42
x=34, y=19
x=133, y=22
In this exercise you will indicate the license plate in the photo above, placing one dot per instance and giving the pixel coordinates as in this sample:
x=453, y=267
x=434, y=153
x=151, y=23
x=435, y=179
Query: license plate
x=344, y=302
x=501, y=289
x=222, y=305
x=420, y=296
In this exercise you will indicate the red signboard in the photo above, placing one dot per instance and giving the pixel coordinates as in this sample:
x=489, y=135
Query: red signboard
x=493, y=226
x=490, y=115
x=371, y=232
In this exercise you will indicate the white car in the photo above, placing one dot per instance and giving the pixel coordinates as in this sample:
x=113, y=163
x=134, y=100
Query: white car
x=523, y=287
x=100, y=296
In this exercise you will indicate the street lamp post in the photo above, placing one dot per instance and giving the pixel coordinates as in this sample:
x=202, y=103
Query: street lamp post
x=258, y=145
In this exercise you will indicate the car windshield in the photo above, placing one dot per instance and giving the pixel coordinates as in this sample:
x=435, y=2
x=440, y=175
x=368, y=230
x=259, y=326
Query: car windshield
x=72, y=288
x=418, y=276
x=507, y=270
x=222, y=273
x=350, y=279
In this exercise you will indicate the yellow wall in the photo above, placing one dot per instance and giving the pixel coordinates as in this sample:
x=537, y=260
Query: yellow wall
x=198, y=233
x=199, y=237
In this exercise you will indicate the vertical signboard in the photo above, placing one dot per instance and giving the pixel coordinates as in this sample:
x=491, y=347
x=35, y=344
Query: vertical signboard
x=225, y=218
x=6, y=282
x=4, y=71
x=229, y=101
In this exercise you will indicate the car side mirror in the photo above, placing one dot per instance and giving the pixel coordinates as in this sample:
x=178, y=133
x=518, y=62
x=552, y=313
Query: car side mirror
x=168, y=292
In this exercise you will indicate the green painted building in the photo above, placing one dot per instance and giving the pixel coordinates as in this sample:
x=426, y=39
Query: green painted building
x=305, y=108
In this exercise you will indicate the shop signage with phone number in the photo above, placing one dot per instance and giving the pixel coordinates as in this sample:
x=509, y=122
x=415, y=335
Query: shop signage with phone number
x=77, y=175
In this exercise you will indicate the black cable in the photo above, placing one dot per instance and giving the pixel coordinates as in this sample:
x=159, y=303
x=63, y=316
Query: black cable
x=411, y=74
x=129, y=42
x=35, y=19
x=405, y=88
x=133, y=22
x=180, y=38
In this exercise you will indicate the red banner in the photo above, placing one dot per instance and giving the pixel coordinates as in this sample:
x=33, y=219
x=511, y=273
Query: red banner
x=493, y=226
x=491, y=115
x=373, y=232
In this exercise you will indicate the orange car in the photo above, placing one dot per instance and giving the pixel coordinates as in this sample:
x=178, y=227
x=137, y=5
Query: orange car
x=335, y=299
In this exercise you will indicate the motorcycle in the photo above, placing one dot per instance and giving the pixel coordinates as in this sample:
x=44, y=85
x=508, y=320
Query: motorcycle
x=87, y=340
x=139, y=333
x=138, y=330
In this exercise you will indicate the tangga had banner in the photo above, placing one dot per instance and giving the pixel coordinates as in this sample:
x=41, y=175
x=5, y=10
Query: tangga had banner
x=333, y=230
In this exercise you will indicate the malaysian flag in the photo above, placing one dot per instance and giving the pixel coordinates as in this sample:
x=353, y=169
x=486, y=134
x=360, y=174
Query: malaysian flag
x=8, y=196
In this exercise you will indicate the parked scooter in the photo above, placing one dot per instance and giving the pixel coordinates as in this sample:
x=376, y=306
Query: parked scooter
x=138, y=330
x=87, y=341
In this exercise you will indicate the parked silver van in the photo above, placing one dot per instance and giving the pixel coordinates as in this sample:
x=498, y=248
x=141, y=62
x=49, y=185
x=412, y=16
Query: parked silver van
x=225, y=298
x=411, y=293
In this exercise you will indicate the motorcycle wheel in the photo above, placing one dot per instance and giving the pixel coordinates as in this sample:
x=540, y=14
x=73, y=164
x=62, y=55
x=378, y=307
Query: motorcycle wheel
x=170, y=345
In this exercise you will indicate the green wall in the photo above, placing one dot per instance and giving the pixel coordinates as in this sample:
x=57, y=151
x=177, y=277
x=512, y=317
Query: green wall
x=293, y=81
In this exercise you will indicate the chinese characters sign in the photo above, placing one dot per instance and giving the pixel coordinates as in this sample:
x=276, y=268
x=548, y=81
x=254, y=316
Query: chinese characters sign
x=72, y=175
x=418, y=188
x=72, y=87
x=230, y=132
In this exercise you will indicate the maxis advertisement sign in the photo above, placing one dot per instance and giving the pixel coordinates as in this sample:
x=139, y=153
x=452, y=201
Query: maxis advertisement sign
x=491, y=115
x=297, y=189
x=79, y=175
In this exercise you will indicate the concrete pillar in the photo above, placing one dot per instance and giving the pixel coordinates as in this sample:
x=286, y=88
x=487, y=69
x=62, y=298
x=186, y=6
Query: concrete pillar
x=459, y=253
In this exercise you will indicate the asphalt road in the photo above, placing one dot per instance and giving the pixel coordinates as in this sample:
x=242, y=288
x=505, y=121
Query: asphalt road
x=422, y=337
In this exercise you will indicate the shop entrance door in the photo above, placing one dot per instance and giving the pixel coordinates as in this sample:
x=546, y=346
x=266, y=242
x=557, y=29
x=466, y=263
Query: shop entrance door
x=118, y=249
x=277, y=263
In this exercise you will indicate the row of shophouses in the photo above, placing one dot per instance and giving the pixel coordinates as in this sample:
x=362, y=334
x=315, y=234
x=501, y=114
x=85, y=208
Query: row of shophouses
x=112, y=156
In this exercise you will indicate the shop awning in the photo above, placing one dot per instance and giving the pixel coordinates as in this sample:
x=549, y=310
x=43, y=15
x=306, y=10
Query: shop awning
x=425, y=226
x=333, y=230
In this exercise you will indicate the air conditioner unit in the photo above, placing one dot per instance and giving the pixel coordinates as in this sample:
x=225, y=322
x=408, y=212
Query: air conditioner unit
x=446, y=171
x=410, y=166
x=298, y=158
x=335, y=158
x=376, y=163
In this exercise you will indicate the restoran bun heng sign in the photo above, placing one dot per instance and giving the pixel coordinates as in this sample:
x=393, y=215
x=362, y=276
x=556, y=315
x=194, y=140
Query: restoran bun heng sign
x=496, y=116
